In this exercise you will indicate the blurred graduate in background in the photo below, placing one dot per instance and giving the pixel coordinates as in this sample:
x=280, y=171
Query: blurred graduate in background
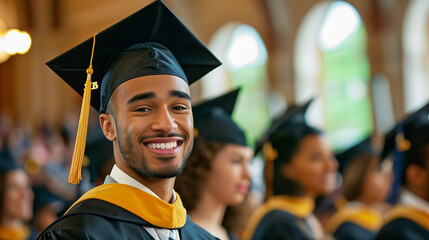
x=365, y=186
x=300, y=166
x=16, y=199
x=216, y=175
x=47, y=208
x=408, y=144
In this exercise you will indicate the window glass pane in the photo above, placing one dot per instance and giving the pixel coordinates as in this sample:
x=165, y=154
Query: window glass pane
x=345, y=77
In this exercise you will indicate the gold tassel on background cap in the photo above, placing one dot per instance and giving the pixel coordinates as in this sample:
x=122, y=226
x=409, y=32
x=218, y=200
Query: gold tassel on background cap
x=79, y=148
x=402, y=144
x=270, y=155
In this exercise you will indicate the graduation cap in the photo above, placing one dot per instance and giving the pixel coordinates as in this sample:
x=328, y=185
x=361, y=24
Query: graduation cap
x=7, y=161
x=292, y=120
x=405, y=142
x=349, y=155
x=212, y=120
x=43, y=197
x=152, y=41
x=280, y=141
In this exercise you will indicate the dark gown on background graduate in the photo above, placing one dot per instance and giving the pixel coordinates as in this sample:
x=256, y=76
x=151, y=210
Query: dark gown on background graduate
x=404, y=222
x=282, y=217
x=355, y=223
x=118, y=211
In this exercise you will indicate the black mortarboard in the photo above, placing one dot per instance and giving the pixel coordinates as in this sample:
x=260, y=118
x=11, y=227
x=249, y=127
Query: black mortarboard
x=152, y=41
x=7, y=161
x=291, y=125
x=405, y=141
x=161, y=39
x=44, y=197
x=212, y=120
x=415, y=120
x=346, y=157
x=279, y=144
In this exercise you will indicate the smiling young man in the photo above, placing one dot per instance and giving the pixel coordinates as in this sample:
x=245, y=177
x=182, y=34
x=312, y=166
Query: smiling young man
x=143, y=65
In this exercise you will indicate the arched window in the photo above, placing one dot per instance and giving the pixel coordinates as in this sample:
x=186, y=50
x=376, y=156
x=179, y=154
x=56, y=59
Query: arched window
x=244, y=58
x=340, y=75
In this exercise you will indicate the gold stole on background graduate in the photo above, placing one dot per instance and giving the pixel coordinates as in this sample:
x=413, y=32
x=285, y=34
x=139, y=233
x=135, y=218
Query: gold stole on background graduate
x=365, y=217
x=146, y=206
x=415, y=215
x=21, y=233
x=297, y=206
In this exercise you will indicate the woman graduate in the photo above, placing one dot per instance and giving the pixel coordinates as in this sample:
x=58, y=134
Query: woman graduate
x=16, y=199
x=299, y=167
x=366, y=184
x=216, y=174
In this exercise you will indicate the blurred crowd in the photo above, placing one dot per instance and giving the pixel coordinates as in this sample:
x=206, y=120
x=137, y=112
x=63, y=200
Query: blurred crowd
x=43, y=153
x=342, y=196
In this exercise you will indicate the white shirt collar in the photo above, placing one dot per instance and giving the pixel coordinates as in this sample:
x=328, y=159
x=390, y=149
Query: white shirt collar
x=409, y=199
x=121, y=177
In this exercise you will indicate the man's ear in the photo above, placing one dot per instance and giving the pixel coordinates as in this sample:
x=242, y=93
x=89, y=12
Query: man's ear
x=416, y=175
x=108, y=126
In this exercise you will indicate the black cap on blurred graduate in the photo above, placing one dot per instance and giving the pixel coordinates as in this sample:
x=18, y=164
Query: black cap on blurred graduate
x=43, y=198
x=279, y=143
x=405, y=142
x=152, y=41
x=349, y=155
x=290, y=126
x=212, y=120
x=7, y=162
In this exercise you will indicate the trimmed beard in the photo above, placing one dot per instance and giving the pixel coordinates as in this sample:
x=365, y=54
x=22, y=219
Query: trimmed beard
x=139, y=163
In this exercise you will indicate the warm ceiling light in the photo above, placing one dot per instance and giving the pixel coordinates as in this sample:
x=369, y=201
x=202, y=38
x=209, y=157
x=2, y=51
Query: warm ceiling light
x=15, y=41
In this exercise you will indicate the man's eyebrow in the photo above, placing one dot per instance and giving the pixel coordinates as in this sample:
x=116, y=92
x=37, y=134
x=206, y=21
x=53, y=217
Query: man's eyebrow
x=179, y=94
x=141, y=96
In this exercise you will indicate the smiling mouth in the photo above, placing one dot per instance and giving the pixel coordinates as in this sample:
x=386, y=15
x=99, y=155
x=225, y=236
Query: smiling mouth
x=167, y=145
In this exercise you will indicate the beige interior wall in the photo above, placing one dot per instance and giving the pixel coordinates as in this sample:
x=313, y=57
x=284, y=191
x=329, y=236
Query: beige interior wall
x=40, y=94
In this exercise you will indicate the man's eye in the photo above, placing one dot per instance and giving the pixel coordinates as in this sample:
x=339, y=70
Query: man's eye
x=143, y=110
x=178, y=108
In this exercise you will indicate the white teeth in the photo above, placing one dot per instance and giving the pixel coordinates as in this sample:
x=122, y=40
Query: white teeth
x=169, y=145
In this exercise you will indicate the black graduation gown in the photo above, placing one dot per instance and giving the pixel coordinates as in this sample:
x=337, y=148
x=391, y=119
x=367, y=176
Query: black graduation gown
x=281, y=218
x=97, y=219
x=405, y=223
x=279, y=224
x=93, y=218
x=353, y=231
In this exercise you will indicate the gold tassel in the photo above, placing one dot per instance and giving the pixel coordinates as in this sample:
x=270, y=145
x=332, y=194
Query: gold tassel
x=402, y=144
x=79, y=148
x=270, y=155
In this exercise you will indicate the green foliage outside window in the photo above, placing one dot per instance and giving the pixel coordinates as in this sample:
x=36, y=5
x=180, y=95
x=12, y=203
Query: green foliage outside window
x=346, y=95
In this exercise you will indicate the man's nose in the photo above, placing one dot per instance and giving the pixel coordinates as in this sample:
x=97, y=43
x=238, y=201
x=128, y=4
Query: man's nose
x=164, y=121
